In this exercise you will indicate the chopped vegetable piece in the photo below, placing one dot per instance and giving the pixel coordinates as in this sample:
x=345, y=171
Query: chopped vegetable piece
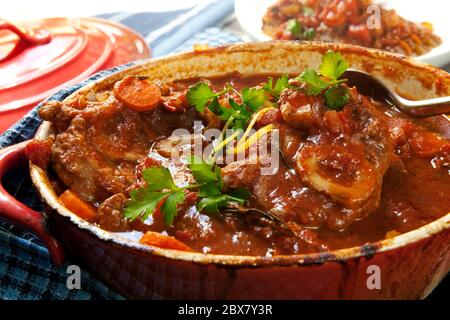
x=160, y=240
x=308, y=11
x=294, y=27
x=138, y=94
x=309, y=34
x=77, y=205
x=39, y=152
x=176, y=102
x=425, y=144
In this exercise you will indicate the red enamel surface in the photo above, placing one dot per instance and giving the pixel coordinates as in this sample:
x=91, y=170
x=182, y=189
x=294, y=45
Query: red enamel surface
x=78, y=48
x=17, y=212
x=409, y=272
x=24, y=39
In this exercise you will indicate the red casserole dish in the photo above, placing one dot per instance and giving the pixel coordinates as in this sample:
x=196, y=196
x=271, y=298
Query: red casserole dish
x=411, y=264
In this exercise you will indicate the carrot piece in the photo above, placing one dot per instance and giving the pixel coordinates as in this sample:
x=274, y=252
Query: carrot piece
x=425, y=144
x=157, y=213
x=77, y=205
x=137, y=93
x=162, y=241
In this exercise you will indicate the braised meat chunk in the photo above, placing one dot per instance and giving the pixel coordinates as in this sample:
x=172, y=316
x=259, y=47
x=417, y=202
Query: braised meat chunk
x=99, y=144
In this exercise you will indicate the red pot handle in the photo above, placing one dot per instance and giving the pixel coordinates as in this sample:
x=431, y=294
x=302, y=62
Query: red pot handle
x=18, y=213
x=27, y=38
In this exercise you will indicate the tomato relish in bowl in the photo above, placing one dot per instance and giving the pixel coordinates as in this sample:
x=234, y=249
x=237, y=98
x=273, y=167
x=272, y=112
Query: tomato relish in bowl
x=349, y=21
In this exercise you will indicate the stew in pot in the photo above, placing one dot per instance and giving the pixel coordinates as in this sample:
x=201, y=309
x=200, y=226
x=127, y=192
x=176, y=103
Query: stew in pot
x=246, y=164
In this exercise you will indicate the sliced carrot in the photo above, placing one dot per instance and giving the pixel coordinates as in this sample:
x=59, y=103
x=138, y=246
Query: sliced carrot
x=137, y=93
x=77, y=205
x=162, y=241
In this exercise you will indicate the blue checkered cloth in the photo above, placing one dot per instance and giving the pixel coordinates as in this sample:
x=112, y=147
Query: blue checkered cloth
x=25, y=268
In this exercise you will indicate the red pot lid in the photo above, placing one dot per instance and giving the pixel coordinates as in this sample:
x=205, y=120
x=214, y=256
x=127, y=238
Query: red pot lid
x=55, y=53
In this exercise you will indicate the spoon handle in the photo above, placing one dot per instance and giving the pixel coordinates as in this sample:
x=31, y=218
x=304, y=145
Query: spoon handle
x=425, y=108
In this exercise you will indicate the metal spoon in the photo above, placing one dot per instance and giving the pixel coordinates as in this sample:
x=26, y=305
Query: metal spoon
x=371, y=86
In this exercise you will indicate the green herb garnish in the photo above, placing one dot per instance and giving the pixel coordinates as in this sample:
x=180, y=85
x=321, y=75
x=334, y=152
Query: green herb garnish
x=309, y=34
x=253, y=98
x=308, y=11
x=160, y=187
x=295, y=28
x=315, y=84
x=281, y=84
x=210, y=189
x=333, y=65
x=201, y=96
x=162, y=191
x=331, y=69
x=336, y=97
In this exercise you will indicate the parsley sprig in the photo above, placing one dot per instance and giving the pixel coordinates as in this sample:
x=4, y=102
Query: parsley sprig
x=210, y=187
x=201, y=96
x=162, y=193
x=275, y=90
x=296, y=29
x=327, y=79
x=238, y=113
